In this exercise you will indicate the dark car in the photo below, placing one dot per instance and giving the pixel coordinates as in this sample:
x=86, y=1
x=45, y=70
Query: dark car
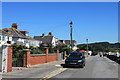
x=75, y=59
x=94, y=53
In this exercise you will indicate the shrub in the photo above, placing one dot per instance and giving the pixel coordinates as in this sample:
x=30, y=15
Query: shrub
x=67, y=49
x=39, y=52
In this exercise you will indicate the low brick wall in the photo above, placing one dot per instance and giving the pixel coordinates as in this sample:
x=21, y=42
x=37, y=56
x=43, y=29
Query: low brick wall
x=37, y=59
x=52, y=58
x=34, y=59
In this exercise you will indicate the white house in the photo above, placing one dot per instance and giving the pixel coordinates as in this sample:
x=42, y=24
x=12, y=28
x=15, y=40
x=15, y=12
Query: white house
x=21, y=37
x=68, y=43
x=5, y=38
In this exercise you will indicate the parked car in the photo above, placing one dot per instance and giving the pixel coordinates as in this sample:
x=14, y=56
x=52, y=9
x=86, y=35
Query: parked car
x=75, y=59
x=117, y=57
x=118, y=60
x=94, y=53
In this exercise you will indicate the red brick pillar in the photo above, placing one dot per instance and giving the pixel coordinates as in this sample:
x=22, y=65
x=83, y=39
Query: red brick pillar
x=57, y=55
x=9, y=63
x=27, y=58
x=46, y=52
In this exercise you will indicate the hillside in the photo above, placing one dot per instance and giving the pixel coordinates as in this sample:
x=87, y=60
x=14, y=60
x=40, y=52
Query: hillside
x=100, y=46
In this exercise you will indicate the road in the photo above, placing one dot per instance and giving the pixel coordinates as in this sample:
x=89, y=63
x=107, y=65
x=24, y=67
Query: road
x=96, y=67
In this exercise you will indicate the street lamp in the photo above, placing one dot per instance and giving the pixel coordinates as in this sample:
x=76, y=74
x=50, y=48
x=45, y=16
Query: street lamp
x=71, y=42
x=87, y=46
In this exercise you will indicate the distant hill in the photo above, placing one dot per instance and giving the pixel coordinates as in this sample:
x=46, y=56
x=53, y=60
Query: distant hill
x=100, y=46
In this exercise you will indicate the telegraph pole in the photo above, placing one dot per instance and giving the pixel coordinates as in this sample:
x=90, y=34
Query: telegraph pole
x=71, y=42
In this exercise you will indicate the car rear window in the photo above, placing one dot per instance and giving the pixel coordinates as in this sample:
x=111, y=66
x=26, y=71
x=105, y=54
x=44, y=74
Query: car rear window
x=75, y=54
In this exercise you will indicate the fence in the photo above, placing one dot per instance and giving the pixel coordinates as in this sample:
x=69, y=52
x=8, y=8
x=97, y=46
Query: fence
x=60, y=56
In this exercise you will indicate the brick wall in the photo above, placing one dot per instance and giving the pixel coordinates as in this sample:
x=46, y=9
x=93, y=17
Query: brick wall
x=39, y=59
x=52, y=58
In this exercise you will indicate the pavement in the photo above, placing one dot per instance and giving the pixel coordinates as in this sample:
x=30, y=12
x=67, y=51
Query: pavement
x=36, y=71
x=0, y=75
x=48, y=65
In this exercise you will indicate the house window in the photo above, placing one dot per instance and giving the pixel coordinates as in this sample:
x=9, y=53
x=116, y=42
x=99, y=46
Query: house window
x=3, y=38
x=0, y=38
x=8, y=38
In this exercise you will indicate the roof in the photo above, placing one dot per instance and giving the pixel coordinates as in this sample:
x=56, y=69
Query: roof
x=60, y=42
x=45, y=39
x=5, y=33
x=16, y=33
x=68, y=42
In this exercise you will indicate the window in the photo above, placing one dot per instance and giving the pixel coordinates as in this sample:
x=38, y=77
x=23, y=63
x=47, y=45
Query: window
x=0, y=38
x=3, y=38
x=8, y=38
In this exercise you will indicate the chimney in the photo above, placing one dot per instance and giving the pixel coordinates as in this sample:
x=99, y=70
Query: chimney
x=49, y=34
x=14, y=25
x=43, y=35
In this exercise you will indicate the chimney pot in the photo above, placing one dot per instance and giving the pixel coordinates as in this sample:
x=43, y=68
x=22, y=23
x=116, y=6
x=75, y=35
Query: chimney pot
x=14, y=25
x=43, y=35
x=49, y=34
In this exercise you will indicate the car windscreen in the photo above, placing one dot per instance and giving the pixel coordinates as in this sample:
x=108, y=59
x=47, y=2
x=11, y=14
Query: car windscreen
x=75, y=55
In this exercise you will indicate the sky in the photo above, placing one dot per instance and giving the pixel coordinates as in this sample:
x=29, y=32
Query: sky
x=60, y=0
x=95, y=21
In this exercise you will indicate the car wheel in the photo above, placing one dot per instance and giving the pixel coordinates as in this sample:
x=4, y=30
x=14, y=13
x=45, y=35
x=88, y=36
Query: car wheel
x=82, y=66
x=116, y=60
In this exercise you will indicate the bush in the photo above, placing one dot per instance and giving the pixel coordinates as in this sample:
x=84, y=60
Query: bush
x=67, y=49
x=40, y=52
x=36, y=50
x=18, y=50
x=14, y=59
x=51, y=50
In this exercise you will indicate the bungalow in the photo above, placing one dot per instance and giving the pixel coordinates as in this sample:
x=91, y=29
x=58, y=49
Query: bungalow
x=5, y=38
x=21, y=37
x=68, y=43
x=46, y=40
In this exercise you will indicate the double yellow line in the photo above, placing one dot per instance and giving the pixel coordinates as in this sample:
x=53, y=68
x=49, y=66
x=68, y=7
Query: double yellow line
x=54, y=73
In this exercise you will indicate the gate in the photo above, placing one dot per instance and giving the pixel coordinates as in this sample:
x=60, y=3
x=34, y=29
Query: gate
x=60, y=56
x=17, y=58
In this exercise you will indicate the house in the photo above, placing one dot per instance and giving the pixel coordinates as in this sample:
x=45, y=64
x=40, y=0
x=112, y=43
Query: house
x=21, y=37
x=5, y=38
x=46, y=40
x=68, y=43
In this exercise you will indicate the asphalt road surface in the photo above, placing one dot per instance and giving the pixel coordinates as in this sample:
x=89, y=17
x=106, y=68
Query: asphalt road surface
x=96, y=67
